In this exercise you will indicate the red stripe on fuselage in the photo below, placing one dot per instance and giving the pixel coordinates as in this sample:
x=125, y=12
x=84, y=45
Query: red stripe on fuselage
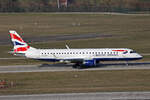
x=119, y=50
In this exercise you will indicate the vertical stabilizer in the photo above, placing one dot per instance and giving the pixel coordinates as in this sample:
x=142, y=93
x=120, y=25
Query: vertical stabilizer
x=20, y=46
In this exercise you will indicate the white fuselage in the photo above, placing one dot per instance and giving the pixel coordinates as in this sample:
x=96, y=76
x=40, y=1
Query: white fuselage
x=83, y=54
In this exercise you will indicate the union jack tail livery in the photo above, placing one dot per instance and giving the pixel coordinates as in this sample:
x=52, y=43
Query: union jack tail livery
x=20, y=46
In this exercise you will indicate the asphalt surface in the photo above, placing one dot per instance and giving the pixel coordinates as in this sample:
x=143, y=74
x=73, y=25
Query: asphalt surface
x=82, y=96
x=68, y=67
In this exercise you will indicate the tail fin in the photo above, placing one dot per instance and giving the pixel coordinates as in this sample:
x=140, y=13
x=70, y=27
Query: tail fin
x=20, y=46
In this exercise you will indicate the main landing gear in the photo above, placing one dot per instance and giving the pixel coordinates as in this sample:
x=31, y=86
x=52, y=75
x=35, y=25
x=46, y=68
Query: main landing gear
x=78, y=66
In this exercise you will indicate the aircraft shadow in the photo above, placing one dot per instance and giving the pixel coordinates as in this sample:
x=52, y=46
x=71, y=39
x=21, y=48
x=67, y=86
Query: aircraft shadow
x=124, y=64
x=55, y=65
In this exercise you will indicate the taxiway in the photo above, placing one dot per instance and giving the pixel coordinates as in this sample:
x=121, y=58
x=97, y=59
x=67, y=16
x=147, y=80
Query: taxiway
x=66, y=67
x=82, y=96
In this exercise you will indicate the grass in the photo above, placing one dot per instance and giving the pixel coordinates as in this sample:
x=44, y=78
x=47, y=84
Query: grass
x=128, y=31
x=78, y=81
x=52, y=24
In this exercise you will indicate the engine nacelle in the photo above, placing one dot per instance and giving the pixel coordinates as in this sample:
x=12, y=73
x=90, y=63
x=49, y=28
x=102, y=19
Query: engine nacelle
x=89, y=63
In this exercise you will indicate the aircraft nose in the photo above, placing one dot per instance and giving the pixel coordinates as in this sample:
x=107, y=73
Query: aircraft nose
x=139, y=56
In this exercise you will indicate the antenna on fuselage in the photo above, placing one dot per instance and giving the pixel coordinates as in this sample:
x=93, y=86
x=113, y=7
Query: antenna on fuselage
x=67, y=47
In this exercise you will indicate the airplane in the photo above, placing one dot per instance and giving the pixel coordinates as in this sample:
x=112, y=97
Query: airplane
x=81, y=58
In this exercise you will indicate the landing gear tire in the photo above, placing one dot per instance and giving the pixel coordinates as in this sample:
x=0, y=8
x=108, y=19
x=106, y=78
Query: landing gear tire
x=77, y=66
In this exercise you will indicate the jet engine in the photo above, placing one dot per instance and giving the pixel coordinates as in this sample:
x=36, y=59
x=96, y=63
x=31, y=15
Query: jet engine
x=89, y=63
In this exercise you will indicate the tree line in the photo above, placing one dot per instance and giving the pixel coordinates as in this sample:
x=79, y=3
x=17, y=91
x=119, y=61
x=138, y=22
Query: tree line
x=74, y=6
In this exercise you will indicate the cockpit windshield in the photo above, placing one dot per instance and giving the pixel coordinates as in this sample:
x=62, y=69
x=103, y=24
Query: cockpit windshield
x=132, y=51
